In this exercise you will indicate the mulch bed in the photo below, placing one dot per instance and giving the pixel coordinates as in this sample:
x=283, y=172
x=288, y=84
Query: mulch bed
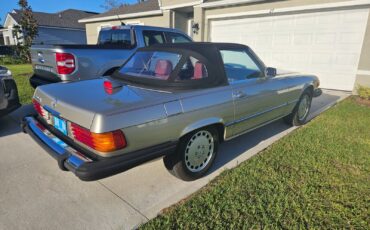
x=362, y=101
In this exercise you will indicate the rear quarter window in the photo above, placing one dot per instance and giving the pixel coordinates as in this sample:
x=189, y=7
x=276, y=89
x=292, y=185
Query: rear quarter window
x=114, y=37
x=177, y=38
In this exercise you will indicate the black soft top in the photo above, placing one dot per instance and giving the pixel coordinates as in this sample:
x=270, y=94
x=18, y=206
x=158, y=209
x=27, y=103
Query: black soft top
x=207, y=53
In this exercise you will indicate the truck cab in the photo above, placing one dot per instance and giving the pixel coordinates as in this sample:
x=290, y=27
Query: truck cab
x=67, y=63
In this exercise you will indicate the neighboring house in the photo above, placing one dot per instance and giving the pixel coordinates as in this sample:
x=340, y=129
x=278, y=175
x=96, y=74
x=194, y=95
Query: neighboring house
x=1, y=36
x=330, y=38
x=53, y=28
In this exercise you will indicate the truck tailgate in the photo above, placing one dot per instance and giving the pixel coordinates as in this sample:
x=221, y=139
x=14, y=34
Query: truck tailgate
x=43, y=62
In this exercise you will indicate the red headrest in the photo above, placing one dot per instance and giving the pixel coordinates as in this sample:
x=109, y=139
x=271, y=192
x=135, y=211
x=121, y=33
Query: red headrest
x=198, y=71
x=163, y=69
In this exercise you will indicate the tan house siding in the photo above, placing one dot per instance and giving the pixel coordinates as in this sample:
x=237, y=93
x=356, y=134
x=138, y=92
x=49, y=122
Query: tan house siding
x=181, y=21
x=166, y=3
x=92, y=29
x=199, y=18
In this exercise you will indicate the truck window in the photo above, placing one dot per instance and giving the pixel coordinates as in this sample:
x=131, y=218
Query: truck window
x=115, y=37
x=153, y=37
x=176, y=38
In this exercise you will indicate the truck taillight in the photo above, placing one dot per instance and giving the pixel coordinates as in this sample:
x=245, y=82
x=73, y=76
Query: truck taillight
x=65, y=63
x=102, y=142
x=38, y=107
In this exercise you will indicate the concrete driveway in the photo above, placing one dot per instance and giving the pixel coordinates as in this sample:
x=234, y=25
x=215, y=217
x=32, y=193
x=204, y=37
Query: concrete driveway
x=35, y=194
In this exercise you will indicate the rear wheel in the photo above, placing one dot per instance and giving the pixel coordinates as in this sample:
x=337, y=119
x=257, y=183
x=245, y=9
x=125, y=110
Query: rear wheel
x=195, y=154
x=301, y=110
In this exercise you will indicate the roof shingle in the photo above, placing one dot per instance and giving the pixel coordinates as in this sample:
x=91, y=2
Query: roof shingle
x=64, y=19
x=144, y=6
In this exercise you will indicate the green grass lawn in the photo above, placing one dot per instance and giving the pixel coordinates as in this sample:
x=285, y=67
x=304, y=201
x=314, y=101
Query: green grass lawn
x=21, y=74
x=316, y=177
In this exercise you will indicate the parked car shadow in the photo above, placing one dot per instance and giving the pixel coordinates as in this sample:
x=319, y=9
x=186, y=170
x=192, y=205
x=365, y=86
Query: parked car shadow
x=10, y=124
x=232, y=149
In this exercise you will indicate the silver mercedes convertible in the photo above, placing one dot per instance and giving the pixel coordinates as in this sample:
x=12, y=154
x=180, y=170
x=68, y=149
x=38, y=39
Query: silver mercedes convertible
x=177, y=101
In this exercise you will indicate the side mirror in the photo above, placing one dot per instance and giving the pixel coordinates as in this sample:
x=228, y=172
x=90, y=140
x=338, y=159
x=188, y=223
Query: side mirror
x=270, y=72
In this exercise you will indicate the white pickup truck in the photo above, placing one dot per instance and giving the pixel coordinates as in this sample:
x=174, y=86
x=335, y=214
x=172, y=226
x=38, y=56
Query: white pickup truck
x=65, y=63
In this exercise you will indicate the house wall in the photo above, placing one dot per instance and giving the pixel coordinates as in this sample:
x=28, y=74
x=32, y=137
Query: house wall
x=181, y=21
x=60, y=36
x=166, y=3
x=92, y=29
x=8, y=26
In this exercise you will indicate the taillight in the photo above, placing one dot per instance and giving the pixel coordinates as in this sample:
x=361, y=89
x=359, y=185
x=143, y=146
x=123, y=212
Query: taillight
x=102, y=142
x=65, y=63
x=108, y=87
x=38, y=107
x=111, y=87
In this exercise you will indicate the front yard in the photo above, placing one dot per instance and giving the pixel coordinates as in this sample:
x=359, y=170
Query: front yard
x=316, y=177
x=21, y=74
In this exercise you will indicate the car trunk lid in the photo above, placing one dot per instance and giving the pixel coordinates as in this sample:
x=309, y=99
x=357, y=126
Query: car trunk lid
x=79, y=102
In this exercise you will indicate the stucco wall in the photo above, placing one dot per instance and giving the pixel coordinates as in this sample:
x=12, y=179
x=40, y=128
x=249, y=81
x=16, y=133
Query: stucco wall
x=92, y=29
x=9, y=24
x=181, y=21
x=8, y=33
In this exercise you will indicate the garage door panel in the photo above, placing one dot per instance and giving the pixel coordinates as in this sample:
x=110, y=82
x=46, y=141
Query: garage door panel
x=327, y=44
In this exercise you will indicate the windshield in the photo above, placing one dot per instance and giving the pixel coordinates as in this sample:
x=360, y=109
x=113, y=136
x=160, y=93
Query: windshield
x=115, y=37
x=151, y=64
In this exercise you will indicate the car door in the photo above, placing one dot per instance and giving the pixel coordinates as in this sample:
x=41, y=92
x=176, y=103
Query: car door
x=257, y=98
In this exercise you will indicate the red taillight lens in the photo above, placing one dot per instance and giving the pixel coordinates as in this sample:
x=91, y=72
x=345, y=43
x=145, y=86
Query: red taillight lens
x=65, y=63
x=108, y=87
x=38, y=107
x=102, y=142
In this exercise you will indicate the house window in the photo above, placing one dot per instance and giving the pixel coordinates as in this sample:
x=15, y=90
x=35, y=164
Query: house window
x=7, y=40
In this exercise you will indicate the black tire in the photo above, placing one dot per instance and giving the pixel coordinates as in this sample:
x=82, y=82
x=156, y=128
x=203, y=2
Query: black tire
x=177, y=162
x=294, y=119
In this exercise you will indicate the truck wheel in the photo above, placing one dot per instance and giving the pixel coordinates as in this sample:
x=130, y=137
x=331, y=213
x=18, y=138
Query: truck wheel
x=301, y=110
x=195, y=154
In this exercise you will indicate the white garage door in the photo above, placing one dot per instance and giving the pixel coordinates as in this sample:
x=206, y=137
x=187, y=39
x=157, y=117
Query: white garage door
x=327, y=44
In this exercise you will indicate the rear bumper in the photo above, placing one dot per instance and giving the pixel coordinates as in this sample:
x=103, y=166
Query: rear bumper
x=37, y=80
x=81, y=163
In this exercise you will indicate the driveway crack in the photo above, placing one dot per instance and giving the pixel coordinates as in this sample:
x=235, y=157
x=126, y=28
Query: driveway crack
x=126, y=202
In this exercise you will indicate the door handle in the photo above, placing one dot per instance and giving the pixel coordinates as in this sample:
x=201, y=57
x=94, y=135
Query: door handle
x=239, y=94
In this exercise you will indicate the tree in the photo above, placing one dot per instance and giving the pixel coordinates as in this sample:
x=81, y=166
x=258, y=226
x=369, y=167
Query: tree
x=26, y=32
x=111, y=4
x=114, y=4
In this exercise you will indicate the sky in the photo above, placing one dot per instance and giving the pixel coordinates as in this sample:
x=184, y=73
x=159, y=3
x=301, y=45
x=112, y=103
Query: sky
x=52, y=6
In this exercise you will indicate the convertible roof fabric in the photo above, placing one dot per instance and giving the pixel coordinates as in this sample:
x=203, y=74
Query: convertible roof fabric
x=207, y=53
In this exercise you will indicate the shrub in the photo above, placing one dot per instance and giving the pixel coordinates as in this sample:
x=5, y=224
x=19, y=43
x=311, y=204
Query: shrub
x=363, y=92
x=11, y=60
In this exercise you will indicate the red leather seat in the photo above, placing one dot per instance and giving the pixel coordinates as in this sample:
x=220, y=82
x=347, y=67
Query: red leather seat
x=199, y=71
x=163, y=69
